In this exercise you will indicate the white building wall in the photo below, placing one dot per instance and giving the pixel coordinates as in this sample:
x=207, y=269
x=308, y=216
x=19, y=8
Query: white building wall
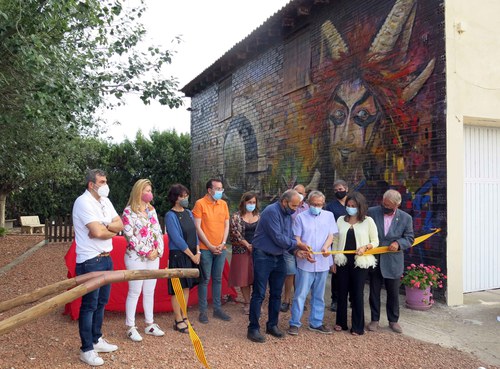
x=473, y=97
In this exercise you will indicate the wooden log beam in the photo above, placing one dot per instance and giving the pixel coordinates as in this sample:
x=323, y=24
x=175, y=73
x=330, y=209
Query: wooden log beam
x=88, y=285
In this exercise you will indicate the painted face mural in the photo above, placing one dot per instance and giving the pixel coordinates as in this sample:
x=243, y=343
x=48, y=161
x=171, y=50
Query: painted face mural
x=353, y=120
x=373, y=85
x=371, y=113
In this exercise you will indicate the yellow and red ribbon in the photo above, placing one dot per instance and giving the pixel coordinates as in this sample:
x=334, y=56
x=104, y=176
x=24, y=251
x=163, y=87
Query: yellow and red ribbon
x=380, y=249
x=198, y=347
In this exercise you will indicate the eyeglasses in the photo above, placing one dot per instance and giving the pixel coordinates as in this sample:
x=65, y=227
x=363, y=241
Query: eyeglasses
x=103, y=208
x=218, y=189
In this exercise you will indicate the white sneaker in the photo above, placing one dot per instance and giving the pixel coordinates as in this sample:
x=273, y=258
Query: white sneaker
x=134, y=335
x=154, y=330
x=103, y=346
x=91, y=358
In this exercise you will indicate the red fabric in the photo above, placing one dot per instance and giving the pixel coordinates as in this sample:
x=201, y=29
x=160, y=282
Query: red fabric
x=119, y=290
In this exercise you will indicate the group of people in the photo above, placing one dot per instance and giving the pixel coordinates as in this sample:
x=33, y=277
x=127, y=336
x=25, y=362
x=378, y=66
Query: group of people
x=285, y=247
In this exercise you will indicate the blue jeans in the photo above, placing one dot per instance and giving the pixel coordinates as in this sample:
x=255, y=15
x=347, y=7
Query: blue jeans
x=291, y=264
x=272, y=269
x=305, y=282
x=93, y=303
x=211, y=266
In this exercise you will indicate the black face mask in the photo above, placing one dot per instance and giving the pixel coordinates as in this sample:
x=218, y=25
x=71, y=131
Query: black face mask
x=340, y=195
x=387, y=211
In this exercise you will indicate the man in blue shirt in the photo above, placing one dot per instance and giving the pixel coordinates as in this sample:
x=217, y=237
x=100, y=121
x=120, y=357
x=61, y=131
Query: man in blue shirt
x=273, y=238
x=337, y=207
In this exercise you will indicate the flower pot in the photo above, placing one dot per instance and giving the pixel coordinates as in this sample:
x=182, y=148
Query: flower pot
x=418, y=299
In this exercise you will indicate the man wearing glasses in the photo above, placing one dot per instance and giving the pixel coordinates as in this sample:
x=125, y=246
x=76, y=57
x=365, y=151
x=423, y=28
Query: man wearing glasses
x=211, y=218
x=96, y=222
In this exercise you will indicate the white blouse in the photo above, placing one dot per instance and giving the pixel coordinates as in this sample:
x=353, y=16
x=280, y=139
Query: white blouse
x=365, y=233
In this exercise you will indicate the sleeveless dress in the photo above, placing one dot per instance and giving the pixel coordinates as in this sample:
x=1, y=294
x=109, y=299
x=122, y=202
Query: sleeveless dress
x=178, y=259
x=241, y=271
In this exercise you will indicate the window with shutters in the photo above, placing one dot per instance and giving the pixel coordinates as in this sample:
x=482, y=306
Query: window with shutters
x=297, y=62
x=225, y=99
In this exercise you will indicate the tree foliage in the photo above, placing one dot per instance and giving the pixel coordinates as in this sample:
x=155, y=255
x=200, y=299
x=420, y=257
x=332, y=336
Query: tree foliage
x=60, y=61
x=164, y=158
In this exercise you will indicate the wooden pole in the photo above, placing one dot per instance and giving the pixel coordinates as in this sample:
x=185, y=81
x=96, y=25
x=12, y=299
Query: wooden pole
x=47, y=290
x=88, y=285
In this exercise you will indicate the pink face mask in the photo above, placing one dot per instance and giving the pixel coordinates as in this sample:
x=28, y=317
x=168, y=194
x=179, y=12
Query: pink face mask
x=147, y=197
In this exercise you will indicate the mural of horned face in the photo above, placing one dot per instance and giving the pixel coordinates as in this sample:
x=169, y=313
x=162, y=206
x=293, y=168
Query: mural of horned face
x=373, y=77
x=353, y=121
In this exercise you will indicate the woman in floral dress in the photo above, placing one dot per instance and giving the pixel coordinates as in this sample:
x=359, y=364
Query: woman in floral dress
x=144, y=249
x=242, y=228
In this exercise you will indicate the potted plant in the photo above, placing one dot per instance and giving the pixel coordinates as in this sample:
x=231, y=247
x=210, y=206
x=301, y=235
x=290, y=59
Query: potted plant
x=418, y=281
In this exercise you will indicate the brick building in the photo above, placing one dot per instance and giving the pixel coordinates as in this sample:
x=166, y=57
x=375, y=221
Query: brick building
x=325, y=90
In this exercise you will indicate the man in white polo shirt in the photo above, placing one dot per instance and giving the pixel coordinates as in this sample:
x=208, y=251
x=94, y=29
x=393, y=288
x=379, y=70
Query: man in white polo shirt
x=96, y=222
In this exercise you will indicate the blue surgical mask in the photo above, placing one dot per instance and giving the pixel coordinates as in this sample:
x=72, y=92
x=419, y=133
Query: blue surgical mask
x=250, y=207
x=217, y=195
x=351, y=211
x=314, y=210
x=289, y=211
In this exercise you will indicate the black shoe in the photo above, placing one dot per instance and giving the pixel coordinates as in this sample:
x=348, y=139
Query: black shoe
x=219, y=314
x=255, y=336
x=333, y=306
x=203, y=317
x=285, y=306
x=274, y=331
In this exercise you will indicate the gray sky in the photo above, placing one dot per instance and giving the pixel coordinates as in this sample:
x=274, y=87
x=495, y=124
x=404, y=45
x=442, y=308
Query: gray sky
x=208, y=30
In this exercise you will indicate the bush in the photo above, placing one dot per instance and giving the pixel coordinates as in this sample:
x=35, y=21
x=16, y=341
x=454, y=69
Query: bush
x=3, y=231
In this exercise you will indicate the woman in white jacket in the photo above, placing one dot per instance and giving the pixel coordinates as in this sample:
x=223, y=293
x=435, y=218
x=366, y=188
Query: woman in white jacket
x=357, y=233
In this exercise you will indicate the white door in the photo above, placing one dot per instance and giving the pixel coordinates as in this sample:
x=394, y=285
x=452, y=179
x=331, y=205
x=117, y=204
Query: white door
x=481, y=208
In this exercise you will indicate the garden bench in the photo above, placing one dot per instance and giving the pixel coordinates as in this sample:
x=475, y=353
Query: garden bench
x=31, y=223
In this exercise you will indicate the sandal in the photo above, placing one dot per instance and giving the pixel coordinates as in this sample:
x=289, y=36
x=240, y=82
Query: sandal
x=181, y=330
x=337, y=328
x=185, y=320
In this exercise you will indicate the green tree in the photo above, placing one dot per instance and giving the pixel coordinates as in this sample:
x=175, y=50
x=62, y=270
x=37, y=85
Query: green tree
x=164, y=158
x=60, y=61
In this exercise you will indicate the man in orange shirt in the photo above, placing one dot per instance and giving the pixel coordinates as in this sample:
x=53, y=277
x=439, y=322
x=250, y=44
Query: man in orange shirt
x=211, y=218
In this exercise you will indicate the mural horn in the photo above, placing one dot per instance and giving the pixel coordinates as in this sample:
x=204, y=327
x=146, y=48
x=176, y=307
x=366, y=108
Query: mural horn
x=332, y=44
x=412, y=89
x=391, y=29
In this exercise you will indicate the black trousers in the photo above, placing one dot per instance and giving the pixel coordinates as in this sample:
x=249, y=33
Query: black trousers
x=392, y=288
x=351, y=281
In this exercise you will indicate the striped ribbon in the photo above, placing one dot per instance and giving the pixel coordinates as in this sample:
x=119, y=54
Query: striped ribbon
x=380, y=249
x=198, y=347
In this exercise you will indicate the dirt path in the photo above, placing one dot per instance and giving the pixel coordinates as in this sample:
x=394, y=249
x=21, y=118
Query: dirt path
x=53, y=342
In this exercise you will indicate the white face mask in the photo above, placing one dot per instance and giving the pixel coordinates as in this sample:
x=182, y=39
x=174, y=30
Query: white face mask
x=103, y=191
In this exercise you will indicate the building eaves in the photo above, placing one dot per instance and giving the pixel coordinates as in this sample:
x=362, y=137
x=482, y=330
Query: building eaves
x=272, y=31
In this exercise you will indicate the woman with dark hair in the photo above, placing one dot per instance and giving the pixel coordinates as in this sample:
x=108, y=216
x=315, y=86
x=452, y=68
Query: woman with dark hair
x=184, y=250
x=242, y=228
x=358, y=234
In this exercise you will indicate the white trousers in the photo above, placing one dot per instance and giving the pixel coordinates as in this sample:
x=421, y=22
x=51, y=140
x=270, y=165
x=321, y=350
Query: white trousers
x=135, y=287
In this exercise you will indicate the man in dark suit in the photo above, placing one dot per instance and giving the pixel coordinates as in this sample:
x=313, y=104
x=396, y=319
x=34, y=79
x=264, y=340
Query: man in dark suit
x=337, y=207
x=395, y=229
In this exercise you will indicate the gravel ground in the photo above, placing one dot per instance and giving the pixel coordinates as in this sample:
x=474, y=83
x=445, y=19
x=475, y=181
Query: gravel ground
x=14, y=245
x=52, y=341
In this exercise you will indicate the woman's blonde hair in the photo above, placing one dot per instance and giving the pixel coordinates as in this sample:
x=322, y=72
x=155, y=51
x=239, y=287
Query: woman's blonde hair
x=135, y=195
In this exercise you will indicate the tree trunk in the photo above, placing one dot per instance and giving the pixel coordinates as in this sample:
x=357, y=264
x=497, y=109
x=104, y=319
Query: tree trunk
x=3, y=201
x=98, y=279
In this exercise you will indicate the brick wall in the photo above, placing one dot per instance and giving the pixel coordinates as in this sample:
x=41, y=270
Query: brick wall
x=372, y=115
